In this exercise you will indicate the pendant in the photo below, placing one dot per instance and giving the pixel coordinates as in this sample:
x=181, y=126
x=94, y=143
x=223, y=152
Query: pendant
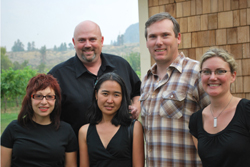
x=215, y=122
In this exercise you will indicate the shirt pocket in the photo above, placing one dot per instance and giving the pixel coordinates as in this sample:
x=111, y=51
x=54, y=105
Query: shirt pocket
x=144, y=106
x=172, y=104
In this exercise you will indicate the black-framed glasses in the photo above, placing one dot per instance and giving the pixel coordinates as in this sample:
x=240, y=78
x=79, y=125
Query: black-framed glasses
x=216, y=72
x=40, y=97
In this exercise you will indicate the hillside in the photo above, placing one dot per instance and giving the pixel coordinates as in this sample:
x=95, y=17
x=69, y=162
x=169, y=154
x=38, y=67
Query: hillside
x=55, y=57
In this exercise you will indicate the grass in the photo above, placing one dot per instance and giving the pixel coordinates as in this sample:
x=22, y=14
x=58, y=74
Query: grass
x=6, y=118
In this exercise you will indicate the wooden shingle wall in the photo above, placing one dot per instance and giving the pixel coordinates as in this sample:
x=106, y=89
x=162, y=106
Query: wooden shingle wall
x=207, y=23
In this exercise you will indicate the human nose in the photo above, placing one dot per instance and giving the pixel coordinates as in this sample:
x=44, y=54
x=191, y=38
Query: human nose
x=44, y=100
x=213, y=75
x=158, y=41
x=87, y=43
x=110, y=99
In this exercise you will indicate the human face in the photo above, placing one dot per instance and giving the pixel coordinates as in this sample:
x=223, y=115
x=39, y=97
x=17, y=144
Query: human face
x=88, y=42
x=217, y=85
x=162, y=43
x=109, y=97
x=43, y=108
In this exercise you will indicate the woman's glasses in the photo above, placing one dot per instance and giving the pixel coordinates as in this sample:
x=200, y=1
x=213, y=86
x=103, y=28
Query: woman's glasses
x=40, y=97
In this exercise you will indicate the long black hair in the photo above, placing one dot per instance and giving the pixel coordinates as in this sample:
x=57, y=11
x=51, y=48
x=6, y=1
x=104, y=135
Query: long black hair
x=122, y=117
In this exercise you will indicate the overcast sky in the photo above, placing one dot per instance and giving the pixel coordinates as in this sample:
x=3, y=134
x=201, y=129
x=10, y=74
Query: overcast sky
x=52, y=22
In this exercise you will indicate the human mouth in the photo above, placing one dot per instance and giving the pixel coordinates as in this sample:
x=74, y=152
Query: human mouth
x=109, y=107
x=160, y=50
x=212, y=85
x=43, y=109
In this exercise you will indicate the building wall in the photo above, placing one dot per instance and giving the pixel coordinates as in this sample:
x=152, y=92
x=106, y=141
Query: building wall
x=207, y=23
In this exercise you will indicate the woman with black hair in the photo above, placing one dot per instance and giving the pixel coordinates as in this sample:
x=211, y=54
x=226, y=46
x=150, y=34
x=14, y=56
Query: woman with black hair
x=107, y=141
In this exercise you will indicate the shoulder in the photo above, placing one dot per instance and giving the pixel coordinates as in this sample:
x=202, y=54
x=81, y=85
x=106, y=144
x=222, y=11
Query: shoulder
x=58, y=67
x=115, y=58
x=84, y=129
x=138, y=126
x=244, y=104
x=195, y=116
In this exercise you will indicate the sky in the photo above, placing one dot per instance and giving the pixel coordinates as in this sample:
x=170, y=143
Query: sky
x=52, y=22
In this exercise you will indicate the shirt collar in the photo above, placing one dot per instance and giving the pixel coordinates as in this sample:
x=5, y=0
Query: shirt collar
x=177, y=64
x=80, y=68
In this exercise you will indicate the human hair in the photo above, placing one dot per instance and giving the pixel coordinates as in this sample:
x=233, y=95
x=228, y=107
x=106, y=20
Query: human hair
x=40, y=82
x=162, y=16
x=216, y=52
x=122, y=116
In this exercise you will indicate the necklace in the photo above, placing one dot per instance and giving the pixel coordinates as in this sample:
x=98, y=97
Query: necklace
x=215, y=118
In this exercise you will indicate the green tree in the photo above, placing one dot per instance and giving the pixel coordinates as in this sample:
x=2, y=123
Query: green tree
x=18, y=46
x=20, y=66
x=5, y=61
x=134, y=60
x=14, y=82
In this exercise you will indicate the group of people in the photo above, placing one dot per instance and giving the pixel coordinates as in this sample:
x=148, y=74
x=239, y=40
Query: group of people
x=84, y=111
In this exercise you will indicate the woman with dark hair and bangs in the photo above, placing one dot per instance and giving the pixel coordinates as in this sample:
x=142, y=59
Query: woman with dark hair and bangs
x=38, y=138
x=112, y=138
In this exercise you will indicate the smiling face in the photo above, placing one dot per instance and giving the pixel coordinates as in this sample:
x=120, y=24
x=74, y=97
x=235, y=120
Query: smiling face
x=162, y=43
x=88, y=41
x=217, y=85
x=43, y=108
x=109, y=97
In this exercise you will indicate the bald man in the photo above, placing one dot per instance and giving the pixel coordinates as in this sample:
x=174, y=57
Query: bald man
x=78, y=74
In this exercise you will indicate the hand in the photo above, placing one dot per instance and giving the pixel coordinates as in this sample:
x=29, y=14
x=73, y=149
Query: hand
x=134, y=111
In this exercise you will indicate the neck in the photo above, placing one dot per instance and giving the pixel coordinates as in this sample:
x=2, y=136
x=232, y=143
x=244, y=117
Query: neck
x=93, y=67
x=42, y=121
x=218, y=104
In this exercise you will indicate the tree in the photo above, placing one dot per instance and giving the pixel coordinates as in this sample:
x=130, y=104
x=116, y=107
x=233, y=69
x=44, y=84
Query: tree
x=29, y=46
x=14, y=82
x=18, y=66
x=5, y=61
x=18, y=46
x=134, y=60
x=71, y=46
x=43, y=54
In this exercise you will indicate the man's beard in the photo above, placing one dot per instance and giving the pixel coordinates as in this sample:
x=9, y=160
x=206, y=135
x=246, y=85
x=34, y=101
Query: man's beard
x=88, y=60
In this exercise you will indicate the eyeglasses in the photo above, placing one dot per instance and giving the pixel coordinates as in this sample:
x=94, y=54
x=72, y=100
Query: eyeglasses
x=216, y=72
x=40, y=97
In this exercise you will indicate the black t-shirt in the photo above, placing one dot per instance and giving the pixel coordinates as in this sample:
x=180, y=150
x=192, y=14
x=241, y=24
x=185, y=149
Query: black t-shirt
x=77, y=85
x=229, y=147
x=38, y=145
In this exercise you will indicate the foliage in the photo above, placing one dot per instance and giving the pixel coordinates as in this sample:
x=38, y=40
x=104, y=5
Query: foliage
x=119, y=42
x=18, y=46
x=5, y=61
x=31, y=46
x=43, y=54
x=14, y=82
x=134, y=60
x=62, y=47
x=18, y=66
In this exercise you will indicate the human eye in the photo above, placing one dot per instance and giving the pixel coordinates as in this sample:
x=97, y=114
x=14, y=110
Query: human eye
x=206, y=72
x=36, y=96
x=81, y=40
x=220, y=72
x=50, y=97
x=152, y=36
x=165, y=35
x=92, y=39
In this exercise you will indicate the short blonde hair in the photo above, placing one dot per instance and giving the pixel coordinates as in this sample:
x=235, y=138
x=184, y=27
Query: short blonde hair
x=216, y=52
